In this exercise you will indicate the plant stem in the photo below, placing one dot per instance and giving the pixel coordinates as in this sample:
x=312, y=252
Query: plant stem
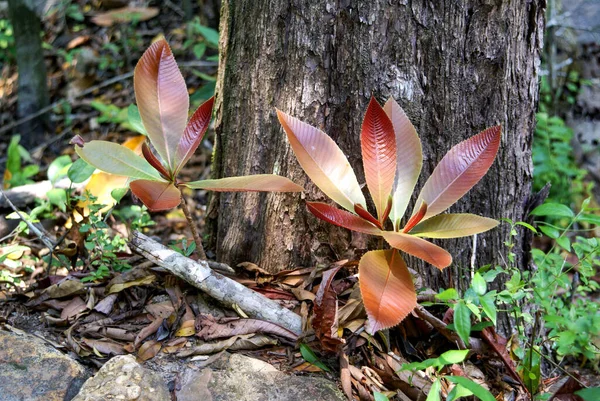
x=192, y=226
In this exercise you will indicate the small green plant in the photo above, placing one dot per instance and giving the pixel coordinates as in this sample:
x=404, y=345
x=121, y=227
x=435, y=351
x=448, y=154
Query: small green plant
x=7, y=42
x=553, y=160
x=183, y=247
x=15, y=173
x=392, y=159
x=101, y=246
x=463, y=386
x=163, y=104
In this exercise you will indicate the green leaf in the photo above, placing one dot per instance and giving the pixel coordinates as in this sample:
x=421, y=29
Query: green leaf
x=58, y=197
x=462, y=321
x=479, y=391
x=116, y=159
x=80, y=171
x=550, y=231
x=118, y=193
x=13, y=157
x=553, y=209
x=589, y=394
x=564, y=242
x=526, y=225
x=310, y=357
x=447, y=295
x=434, y=391
x=58, y=168
x=453, y=356
x=478, y=284
x=380, y=396
x=135, y=120
x=489, y=306
x=211, y=36
x=458, y=392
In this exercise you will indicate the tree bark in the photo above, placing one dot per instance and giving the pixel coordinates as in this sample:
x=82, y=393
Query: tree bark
x=32, y=87
x=455, y=67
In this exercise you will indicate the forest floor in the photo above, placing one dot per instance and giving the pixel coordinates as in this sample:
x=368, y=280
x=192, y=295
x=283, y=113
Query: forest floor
x=97, y=298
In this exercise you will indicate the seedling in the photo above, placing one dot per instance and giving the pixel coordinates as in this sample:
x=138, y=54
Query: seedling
x=392, y=160
x=163, y=103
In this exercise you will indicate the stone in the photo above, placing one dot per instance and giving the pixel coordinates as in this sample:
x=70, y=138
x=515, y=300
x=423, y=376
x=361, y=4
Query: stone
x=122, y=378
x=242, y=378
x=32, y=370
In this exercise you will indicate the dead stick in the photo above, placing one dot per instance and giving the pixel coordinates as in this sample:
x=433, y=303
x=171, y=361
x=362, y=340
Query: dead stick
x=219, y=287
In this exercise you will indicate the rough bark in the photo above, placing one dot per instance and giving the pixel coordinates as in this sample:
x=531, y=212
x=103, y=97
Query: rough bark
x=32, y=87
x=455, y=67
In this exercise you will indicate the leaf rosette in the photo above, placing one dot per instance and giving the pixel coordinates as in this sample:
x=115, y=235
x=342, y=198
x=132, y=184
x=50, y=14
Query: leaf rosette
x=392, y=160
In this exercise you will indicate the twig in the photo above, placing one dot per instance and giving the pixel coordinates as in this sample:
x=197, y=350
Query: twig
x=217, y=286
x=43, y=237
x=439, y=326
x=192, y=226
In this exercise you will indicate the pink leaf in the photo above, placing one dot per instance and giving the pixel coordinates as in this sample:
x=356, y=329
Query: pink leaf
x=387, y=288
x=156, y=195
x=342, y=218
x=194, y=132
x=409, y=159
x=323, y=161
x=420, y=248
x=460, y=169
x=162, y=99
x=247, y=183
x=378, y=143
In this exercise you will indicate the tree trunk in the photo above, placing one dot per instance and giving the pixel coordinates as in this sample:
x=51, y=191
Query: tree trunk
x=455, y=67
x=32, y=87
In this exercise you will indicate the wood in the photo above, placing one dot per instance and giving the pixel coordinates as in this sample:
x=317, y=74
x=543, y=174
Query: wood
x=456, y=67
x=219, y=287
x=32, y=87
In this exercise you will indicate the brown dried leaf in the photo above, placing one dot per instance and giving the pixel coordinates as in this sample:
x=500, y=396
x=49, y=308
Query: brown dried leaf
x=125, y=15
x=498, y=344
x=186, y=329
x=114, y=286
x=106, y=305
x=73, y=308
x=325, y=321
x=104, y=347
x=148, y=350
x=147, y=331
x=161, y=310
x=64, y=288
x=209, y=328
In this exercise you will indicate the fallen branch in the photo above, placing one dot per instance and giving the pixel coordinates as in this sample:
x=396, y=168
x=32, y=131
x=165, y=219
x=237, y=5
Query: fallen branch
x=214, y=284
x=27, y=194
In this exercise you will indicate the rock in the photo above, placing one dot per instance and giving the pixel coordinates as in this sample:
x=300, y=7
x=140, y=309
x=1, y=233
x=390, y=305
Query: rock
x=243, y=378
x=122, y=378
x=32, y=370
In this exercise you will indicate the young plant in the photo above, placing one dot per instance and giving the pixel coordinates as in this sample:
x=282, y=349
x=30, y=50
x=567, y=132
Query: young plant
x=163, y=103
x=392, y=160
x=464, y=387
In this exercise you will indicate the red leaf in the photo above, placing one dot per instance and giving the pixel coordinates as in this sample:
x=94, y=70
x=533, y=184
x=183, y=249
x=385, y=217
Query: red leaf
x=153, y=160
x=378, y=143
x=409, y=159
x=342, y=218
x=194, y=132
x=364, y=213
x=415, y=219
x=387, y=288
x=498, y=344
x=460, y=169
x=418, y=247
x=325, y=321
x=156, y=195
x=162, y=99
x=323, y=161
